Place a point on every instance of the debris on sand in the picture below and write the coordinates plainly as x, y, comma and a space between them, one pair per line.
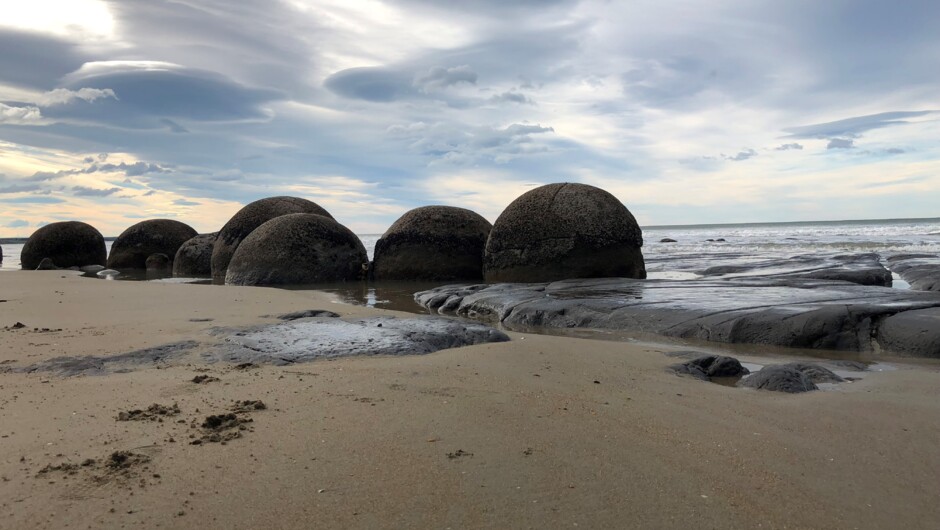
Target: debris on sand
155, 412
200, 379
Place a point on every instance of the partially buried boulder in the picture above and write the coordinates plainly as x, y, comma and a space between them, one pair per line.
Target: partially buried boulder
792, 378
156, 236
299, 248
433, 243
158, 262
562, 231
66, 243
194, 257
248, 219
708, 366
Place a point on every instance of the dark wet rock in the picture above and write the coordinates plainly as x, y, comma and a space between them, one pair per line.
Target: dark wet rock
247, 220
904, 257
47, 265
779, 378
158, 262
667, 240
323, 338
921, 271
863, 269
299, 248
709, 366
92, 269
911, 333
66, 243
564, 231
308, 313
854, 366
434, 243
816, 373
156, 236
95, 365
194, 257
792, 312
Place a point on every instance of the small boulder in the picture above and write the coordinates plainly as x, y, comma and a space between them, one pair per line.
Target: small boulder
194, 257
667, 240
432, 243
66, 243
156, 236
562, 231
158, 263
246, 220
779, 378
298, 248
92, 269
709, 366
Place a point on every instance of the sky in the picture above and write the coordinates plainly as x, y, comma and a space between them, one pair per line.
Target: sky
721, 111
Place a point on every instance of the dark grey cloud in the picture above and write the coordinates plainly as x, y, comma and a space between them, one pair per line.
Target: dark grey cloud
19, 188
35, 60
18, 223
33, 200
439, 77
855, 126
895, 151
841, 143
131, 170
184, 202
741, 155
512, 97
82, 191
371, 84
789, 147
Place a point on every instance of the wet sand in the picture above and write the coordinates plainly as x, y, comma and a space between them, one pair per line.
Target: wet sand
541, 432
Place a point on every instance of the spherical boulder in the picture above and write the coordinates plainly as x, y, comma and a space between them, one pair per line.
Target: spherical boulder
432, 243
248, 219
561, 231
156, 236
298, 248
194, 257
66, 243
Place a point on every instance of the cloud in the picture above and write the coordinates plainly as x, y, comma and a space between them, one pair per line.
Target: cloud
20, 115
445, 143
841, 143
33, 200
18, 223
741, 156
371, 84
438, 78
854, 127
19, 188
82, 191
34, 60
512, 97
63, 96
789, 147
173, 126
184, 202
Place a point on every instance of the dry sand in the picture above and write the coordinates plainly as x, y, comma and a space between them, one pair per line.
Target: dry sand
540, 432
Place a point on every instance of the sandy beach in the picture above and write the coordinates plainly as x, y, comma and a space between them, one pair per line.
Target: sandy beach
539, 432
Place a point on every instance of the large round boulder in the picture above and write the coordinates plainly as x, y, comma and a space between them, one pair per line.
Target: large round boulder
248, 219
156, 236
435, 243
561, 231
194, 257
298, 248
66, 243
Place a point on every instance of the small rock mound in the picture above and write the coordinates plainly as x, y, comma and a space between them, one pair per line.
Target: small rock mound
156, 236
67, 244
792, 378
247, 220
563, 231
299, 248
433, 243
194, 257
709, 366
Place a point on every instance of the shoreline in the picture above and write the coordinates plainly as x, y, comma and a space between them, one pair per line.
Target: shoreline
543, 430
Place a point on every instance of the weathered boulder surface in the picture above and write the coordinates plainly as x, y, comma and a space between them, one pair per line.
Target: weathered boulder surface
298, 248
194, 257
324, 338
792, 312
67, 243
863, 269
435, 243
47, 265
708, 366
779, 378
155, 236
248, 219
562, 231
158, 262
921, 271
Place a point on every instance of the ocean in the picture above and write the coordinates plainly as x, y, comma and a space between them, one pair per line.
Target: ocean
736, 243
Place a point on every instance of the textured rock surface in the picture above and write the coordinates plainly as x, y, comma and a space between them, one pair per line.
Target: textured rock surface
248, 219
318, 338
194, 257
921, 271
562, 231
47, 265
779, 378
156, 236
158, 262
297, 248
432, 243
793, 312
863, 269
67, 243
708, 366
94, 365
